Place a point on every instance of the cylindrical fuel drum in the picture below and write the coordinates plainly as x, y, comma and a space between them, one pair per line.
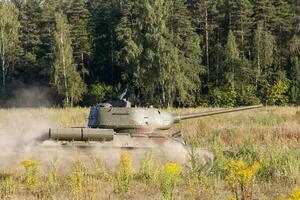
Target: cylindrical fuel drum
98, 134
65, 134
81, 134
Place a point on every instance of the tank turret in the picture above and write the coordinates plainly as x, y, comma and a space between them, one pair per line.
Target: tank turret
144, 120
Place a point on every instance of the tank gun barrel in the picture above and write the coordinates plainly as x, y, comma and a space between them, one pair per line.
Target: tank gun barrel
180, 117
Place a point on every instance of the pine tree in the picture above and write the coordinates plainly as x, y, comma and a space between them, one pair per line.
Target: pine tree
232, 58
294, 71
160, 57
79, 19
263, 51
66, 79
270, 78
283, 30
283, 17
187, 41
157, 40
105, 15
28, 67
204, 15
264, 12
49, 8
9, 33
130, 50
240, 22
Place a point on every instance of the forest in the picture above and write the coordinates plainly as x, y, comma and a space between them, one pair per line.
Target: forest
165, 52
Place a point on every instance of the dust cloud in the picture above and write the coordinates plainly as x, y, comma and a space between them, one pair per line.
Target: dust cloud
20, 124
30, 96
23, 133
19, 131
24, 130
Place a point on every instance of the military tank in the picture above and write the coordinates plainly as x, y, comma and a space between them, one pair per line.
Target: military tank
116, 126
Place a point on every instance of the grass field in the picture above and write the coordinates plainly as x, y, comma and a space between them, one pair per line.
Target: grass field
267, 138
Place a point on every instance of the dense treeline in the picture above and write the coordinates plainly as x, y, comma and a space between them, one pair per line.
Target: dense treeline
166, 52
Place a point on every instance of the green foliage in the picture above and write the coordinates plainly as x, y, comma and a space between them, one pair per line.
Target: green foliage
223, 98
77, 180
47, 23
161, 46
8, 185
248, 96
100, 93
149, 169
9, 37
279, 163
294, 195
247, 152
240, 178
218, 147
29, 54
52, 179
276, 93
79, 19
170, 176
241, 21
101, 172
124, 173
264, 12
233, 57
168, 53
31, 176
66, 79
294, 72
264, 46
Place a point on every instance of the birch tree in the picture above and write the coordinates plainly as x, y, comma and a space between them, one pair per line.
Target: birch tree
9, 27
66, 79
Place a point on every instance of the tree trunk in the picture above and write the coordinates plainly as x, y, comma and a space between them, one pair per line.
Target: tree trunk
3, 60
258, 70
64, 70
82, 65
3, 68
111, 46
207, 42
242, 45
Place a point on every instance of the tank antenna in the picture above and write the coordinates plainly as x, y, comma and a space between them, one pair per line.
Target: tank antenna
123, 94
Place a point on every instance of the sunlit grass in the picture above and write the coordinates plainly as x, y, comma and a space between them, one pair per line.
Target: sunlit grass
269, 136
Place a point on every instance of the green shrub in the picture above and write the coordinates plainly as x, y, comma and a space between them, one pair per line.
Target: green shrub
247, 152
77, 179
101, 172
8, 185
124, 173
100, 92
149, 169
240, 178
276, 93
169, 178
31, 176
52, 179
295, 195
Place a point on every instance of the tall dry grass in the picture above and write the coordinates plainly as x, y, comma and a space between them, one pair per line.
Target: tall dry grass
269, 136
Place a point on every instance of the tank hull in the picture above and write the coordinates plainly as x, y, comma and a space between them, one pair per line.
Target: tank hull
164, 149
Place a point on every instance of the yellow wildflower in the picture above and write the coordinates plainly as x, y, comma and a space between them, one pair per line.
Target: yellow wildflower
26, 163
295, 195
29, 164
172, 169
169, 178
124, 173
240, 176
31, 175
